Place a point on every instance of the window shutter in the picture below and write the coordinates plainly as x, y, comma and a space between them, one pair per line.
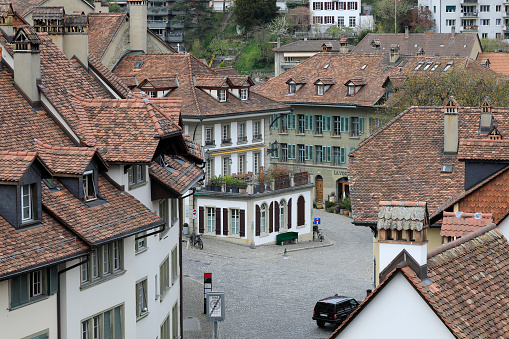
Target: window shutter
321, 6
327, 122
257, 231
53, 279
300, 211
328, 154
321, 18
242, 231
274, 122
361, 125
314, 6
332, 19
342, 155
289, 215
201, 220
348, 5
218, 221
337, 6
306, 123
291, 121
276, 217
15, 285
271, 219
225, 221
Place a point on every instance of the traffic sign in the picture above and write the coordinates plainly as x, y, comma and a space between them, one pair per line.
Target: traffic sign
316, 221
195, 214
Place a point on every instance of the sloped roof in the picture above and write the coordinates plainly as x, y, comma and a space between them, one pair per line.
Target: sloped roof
469, 280
26, 6
370, 70
121, 214
403, 161
108, 76
402, 215
102, 28
128, 130
5, 8
13, 165
483, 149
29, 248
308, 46
499, 62
458, 224
178, 175
48, 13
195, 102
226, 71
433, 44
193, 148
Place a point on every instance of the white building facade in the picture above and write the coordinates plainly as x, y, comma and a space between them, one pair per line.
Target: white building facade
489, 19
334, 13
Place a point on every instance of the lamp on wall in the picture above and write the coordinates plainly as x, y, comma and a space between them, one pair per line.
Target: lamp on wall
273, 147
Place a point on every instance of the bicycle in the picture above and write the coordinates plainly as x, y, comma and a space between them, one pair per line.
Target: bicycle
196, 241
317, 234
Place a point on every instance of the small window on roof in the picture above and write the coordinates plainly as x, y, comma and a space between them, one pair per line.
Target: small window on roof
446, 68
418, 66
447, 168
403, 63
434, 67
428, 64
138, 65
364, 67
326, 66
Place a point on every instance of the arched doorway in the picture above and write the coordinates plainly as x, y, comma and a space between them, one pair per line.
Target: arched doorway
342, 187
319, 189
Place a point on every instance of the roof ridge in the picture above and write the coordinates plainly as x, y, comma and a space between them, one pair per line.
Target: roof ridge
198, 109
64, 148
468, 214
158, 109
19, 153
115, 34
460, 241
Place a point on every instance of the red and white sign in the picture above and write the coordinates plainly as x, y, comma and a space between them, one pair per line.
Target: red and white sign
195, 214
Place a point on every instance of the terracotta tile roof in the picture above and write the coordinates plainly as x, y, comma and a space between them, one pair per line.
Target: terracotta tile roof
102, 28
13, 165
458, 224
499, 62
226, 71
403, 161
120, 215
195, 102
32, 247
178, 175
307, 46
108, 76
5, 8
240, 80
21, 124
60, 76
212, 81
483, 149
67, 160
160, 82
48, 13
369, 70
193, 148
25, 6
433, 44
128, 130
402, 215
469, 279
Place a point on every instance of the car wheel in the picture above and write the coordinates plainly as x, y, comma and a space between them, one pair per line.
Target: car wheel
320, 323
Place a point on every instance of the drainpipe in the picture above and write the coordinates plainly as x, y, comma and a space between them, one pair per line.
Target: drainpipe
59, 320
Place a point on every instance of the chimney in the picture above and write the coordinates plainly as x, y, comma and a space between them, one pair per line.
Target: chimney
453, 31
486, 121
402, 231
138, 25
451, 127
27, 63
101, 7
394, 56
375, 44
6, 23
75, 38
343, 45
407, 32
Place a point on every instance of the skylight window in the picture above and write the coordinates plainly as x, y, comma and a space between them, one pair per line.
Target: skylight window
428, 65
138, 65
418, 66
364, 67
435, 67
446, 68
326, 66
447, 168
403, 63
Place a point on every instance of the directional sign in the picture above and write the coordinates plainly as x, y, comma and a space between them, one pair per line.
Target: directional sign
195, 214
316, 221
215, 306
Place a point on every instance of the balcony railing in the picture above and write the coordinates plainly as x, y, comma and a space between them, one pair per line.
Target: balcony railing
210, 142
289, 64
242, 138
470, 28
257, 136
469, 15
173, 38
249, 184
469, 2
226, 141
157, 24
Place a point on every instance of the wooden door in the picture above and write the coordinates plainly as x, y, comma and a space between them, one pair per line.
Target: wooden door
319, 190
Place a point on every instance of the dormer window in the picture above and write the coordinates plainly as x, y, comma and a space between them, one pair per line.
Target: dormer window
351, 90
291, 88
222, 95
27, 206
319, 89
151, 94
244, 94
136, 175
89, 192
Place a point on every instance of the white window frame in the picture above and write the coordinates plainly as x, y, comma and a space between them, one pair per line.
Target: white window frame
352, 21
234, 221
164, 277
26, 191
341, 21
282, 209
319, 89
141, 298
242, 163
88, 179
211, 219
263, 218
105, 261
222, 95
244, 94
291, 89
256, 162
140, 244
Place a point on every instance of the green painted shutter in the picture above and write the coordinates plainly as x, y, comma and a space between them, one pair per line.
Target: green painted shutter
53, 279
328, 154
326, 123
342, 155
308, 122
291, 121
15, 284
274, 122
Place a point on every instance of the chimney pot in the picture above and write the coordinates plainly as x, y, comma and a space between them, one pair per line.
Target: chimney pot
407, 32
453, 31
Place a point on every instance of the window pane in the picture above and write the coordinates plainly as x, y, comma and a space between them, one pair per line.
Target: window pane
118, 323
107, 325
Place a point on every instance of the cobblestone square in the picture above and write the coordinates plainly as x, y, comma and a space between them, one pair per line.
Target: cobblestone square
270, 297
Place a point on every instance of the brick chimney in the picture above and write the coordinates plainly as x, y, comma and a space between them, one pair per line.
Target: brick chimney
451, 127
27, 63
138, 25
343, 45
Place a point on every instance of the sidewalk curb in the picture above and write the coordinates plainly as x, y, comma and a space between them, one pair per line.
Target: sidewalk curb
306, 248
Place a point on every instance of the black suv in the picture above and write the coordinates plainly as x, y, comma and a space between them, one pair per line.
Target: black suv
333, 310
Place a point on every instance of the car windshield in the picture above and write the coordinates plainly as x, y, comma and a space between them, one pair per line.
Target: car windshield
325, 307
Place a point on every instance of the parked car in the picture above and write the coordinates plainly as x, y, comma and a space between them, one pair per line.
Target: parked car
333, 310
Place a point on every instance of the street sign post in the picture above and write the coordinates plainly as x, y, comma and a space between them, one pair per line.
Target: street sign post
215, 309
207, 287
195, 214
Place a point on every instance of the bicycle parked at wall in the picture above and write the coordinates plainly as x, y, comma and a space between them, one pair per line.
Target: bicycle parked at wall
317, 234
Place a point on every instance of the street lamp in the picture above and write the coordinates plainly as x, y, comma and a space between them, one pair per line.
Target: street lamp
273, 148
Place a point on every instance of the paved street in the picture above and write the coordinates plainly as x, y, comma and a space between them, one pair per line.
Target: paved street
271, 297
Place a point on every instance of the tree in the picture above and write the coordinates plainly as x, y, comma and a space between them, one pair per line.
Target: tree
419, 20
278, 27
468, 87
219, 46
250, 13
494, 45
298, 19
114, 7
384, 10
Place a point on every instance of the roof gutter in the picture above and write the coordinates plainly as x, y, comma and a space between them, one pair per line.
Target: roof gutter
229, 115
132, 232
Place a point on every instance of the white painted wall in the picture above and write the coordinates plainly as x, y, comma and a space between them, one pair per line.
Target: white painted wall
397, 298
389, 251
28, 319
335, 13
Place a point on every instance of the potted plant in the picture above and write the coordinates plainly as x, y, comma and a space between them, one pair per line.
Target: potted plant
348, 205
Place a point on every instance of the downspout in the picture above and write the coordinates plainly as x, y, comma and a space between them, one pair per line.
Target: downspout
181, 225
59, 320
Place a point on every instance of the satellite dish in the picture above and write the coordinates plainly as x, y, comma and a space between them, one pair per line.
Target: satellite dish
477, 216
458, 214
